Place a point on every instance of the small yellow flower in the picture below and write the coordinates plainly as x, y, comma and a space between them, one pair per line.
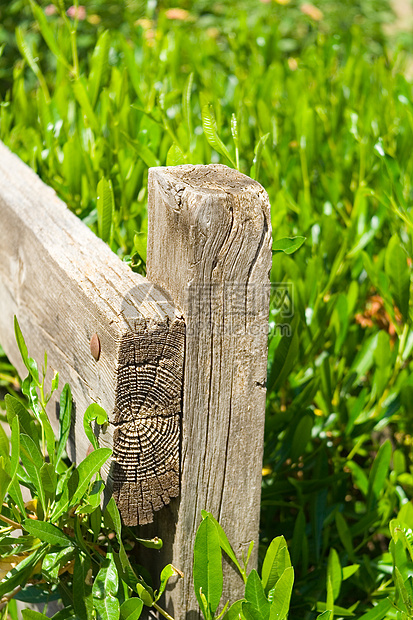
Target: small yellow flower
292, 64
94, 19
213, 33
144, 23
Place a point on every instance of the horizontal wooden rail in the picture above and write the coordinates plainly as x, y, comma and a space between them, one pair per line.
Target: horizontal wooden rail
200, 321
66, 287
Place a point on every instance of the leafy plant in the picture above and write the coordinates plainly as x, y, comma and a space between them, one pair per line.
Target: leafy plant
266, 597
69, 547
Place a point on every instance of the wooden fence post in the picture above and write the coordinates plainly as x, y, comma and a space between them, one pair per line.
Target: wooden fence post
209, 248
119, 339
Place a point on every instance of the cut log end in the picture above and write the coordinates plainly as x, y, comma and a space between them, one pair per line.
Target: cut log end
147, 419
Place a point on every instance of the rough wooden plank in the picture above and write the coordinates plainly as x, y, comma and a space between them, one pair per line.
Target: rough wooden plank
64, 285
209, 248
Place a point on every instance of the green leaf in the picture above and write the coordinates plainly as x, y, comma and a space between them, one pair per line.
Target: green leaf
223, 540
54, 560
31, 614
284, 357
145, 594
131, 609
399, 275
15, 408
73, 165
105, 589
208, 565
105, 209
299, 537
15, 447
175, 156
378, 473
5, 480
92, 499
30, 390
65, 420
256, 164
128, 576
276, 560
281, 595
235, 137
94, 412
150, 543
254, 593
28, 362
348, 571
47, 32
359, 476
344, 534
80, 92
55, 382
98, 64
186, 105
211, 133
167, 572
47, 532
330, 594
4, 443
379, 612
302, 436
401, 587
80, 479
143, 151
234, 611
30, 450
288, 245
337, 611
204, 605
82, 599
249, 612
28, 56
112, 518
32, 462
140, 242
334, 572
15, 493
49, 479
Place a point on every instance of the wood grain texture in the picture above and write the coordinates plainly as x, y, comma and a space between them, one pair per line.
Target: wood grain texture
64, 284
147, 420
209, 248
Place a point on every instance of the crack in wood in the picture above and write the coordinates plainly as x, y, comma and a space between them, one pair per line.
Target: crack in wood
147, 419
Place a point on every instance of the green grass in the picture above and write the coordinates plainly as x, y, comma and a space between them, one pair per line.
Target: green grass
324, 109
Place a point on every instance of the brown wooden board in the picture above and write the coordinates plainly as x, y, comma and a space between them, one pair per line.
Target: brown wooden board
65, 285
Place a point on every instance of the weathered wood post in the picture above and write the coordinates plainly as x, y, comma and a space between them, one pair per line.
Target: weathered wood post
186, 410
209, 248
